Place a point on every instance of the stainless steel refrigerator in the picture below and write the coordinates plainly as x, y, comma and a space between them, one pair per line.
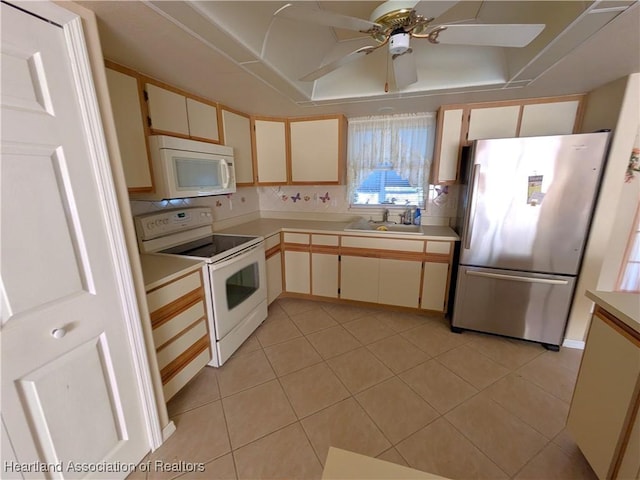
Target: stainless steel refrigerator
526, 212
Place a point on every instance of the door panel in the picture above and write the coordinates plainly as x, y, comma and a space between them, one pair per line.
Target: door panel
517, 304
52, 393
67, 363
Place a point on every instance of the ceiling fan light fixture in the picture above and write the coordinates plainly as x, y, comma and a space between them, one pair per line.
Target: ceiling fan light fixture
399, 42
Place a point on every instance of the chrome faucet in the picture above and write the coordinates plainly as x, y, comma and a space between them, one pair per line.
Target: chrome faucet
385, 215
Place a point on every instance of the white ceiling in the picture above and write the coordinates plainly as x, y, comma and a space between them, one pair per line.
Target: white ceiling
239, 54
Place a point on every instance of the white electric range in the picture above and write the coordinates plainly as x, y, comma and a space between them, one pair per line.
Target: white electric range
234, 271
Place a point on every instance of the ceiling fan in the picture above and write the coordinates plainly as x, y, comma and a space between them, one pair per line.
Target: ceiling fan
396, 22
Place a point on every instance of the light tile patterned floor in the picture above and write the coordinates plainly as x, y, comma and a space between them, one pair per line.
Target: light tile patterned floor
396, 386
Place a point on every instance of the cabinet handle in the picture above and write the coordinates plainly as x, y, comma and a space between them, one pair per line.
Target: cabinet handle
58, 333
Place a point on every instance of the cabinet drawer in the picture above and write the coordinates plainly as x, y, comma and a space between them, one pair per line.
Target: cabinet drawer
302, 238
181, 344
330, 240
383, 244
172, 291
169, 329
443, 248
179, 380
272, 241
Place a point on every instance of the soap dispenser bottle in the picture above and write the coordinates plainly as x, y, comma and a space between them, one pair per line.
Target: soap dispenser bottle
416, 218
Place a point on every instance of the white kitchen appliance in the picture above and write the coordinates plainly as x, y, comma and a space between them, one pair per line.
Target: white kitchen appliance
234, 271
187, 168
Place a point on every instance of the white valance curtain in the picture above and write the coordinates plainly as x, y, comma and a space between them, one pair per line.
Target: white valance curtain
402, 142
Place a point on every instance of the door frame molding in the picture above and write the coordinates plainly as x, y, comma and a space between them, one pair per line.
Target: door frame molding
76, 45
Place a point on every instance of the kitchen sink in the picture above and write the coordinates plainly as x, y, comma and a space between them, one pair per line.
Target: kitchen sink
383, 227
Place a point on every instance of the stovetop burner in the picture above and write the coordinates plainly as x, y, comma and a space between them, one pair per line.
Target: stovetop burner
210, 246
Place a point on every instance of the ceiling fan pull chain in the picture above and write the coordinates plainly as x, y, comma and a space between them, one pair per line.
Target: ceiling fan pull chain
386, 82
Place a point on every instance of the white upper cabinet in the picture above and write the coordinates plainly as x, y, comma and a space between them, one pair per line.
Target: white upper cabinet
317, 150
236, 131
448, 145
493, 122
460, 125
167, 111
270, 150
173, 113
557, 118
127, 113
203, 120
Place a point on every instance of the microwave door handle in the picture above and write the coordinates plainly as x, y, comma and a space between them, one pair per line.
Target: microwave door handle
225, 174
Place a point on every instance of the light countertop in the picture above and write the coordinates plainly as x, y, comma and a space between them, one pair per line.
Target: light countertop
266, 227
624, 306
160, 269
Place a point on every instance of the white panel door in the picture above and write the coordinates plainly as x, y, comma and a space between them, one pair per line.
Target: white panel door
359, 278
237, 134
399, 282
69, 392
297, 272
493, 122
203, 120
271, 151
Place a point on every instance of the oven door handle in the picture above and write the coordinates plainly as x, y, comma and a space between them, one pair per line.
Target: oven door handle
237, 256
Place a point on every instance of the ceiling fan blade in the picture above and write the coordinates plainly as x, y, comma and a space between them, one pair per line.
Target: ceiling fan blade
404, 69
331, 66
324, 17
498, 35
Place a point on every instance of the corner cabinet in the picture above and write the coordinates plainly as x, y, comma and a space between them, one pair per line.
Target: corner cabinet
318, 150
459, 125
236, 133
604, 418
125, 93
273, 257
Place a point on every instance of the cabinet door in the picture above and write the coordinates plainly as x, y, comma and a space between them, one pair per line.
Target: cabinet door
203, 120
274, 277
316, 151
324, 274
493, 122
434, 286
604, 393
359, 278
553, 118
297, 272
168, 111
127, 114
447, 155
236, 130
270, 150
399, 282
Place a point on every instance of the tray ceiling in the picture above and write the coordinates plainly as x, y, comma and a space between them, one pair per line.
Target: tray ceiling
261, 55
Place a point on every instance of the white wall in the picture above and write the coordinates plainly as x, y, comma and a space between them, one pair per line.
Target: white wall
615, 106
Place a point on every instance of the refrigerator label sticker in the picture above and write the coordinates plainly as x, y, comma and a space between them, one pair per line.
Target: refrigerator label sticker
534, 192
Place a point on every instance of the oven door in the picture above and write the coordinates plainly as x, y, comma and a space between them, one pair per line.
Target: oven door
238, 286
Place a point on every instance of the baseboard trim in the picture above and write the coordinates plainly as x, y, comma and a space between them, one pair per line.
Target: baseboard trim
168, 430
573, 344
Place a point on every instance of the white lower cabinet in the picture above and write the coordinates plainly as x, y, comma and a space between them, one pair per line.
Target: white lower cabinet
399, 282
604, 410
359, 278
434, 286
297, 272
274, 277
180, 330
324, 274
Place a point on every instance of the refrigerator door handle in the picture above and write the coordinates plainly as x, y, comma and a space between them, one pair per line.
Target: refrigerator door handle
516, 278
471, 211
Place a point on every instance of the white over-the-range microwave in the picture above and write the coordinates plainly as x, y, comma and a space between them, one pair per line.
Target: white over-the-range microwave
185, 168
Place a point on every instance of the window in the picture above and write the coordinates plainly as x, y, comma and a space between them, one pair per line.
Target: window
389, 159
